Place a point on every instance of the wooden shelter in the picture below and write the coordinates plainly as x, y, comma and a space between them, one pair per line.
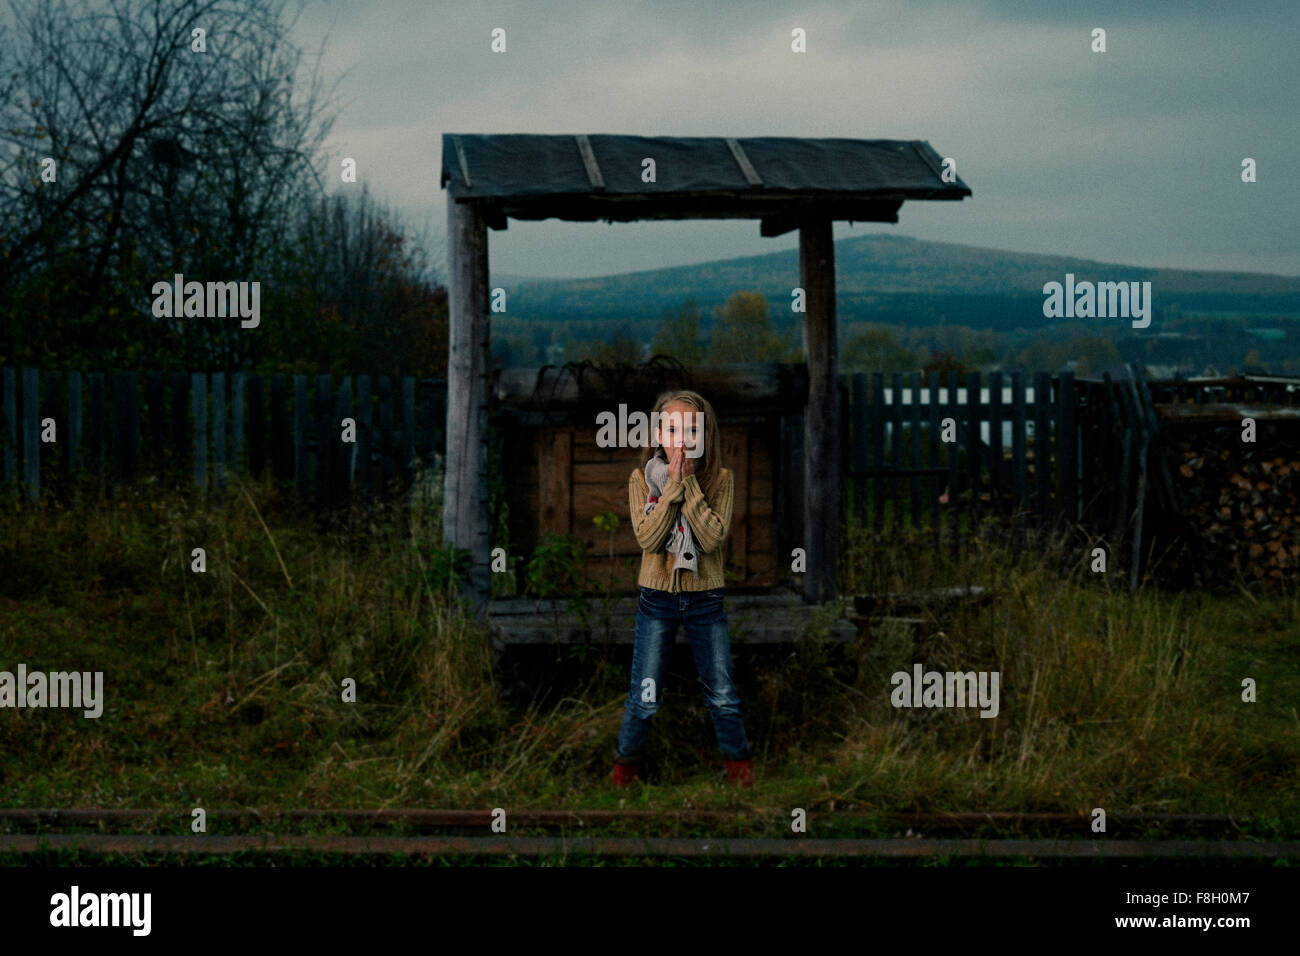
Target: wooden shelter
563, 475
786, 183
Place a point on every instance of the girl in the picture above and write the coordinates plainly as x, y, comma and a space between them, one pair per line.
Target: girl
681, 511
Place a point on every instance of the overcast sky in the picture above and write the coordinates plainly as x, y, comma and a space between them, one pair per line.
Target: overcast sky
1130, 156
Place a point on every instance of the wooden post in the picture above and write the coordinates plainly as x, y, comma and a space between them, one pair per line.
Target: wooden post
861, 443
465, 495
821, 504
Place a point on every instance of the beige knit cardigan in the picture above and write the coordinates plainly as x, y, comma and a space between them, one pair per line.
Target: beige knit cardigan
710, 520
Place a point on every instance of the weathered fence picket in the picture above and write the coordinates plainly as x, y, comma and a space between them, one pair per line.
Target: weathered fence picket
237, 386
408, 430
1067, 451
31, 414
365, 441
282, 444
73, 430
387, 471
9, 422
325, 432
876, 409
300, 417
217, 419
199, 416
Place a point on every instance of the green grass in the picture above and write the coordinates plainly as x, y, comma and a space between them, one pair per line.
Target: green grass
224, 688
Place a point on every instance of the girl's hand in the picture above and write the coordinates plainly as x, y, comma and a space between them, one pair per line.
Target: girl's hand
688, 464
675, 456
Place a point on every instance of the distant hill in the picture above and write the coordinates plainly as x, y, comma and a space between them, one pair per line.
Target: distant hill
896, 279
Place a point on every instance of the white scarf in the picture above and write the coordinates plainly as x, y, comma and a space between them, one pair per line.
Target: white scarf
681, 543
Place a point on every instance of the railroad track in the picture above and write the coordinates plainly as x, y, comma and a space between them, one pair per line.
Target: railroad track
474, 819
654, 847
1071, 839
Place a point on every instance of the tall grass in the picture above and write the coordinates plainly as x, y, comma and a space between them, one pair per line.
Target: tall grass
225, 688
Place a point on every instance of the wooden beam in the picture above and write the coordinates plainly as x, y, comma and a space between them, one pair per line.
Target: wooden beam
465, 495
589, 160
464, 164
770, 618
770, 227
821, 506
742, 160
810, 207
753, 385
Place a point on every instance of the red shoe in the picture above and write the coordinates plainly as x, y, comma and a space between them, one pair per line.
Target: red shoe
740, 773
625, 773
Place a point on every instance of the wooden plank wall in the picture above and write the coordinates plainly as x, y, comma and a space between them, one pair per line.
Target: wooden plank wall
565, 480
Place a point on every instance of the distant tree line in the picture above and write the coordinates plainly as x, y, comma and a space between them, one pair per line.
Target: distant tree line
743, 330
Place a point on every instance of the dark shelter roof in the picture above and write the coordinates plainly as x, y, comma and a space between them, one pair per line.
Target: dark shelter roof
777, 178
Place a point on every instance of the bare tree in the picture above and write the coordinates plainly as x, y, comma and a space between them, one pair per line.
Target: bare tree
186, 136
373, 282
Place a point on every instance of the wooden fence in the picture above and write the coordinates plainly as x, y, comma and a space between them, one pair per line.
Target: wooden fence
948, 449
940, 451
59, 428
1026, 450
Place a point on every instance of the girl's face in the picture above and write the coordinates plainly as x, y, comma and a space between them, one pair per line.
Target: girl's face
681, 424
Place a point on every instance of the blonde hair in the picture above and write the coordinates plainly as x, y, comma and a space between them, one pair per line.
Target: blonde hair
709, 466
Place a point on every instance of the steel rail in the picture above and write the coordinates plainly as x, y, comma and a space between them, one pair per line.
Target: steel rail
54, 817
657, 847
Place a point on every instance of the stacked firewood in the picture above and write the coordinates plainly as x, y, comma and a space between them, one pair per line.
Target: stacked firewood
1240, 508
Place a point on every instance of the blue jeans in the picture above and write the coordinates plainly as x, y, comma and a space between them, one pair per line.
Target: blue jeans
702, 614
